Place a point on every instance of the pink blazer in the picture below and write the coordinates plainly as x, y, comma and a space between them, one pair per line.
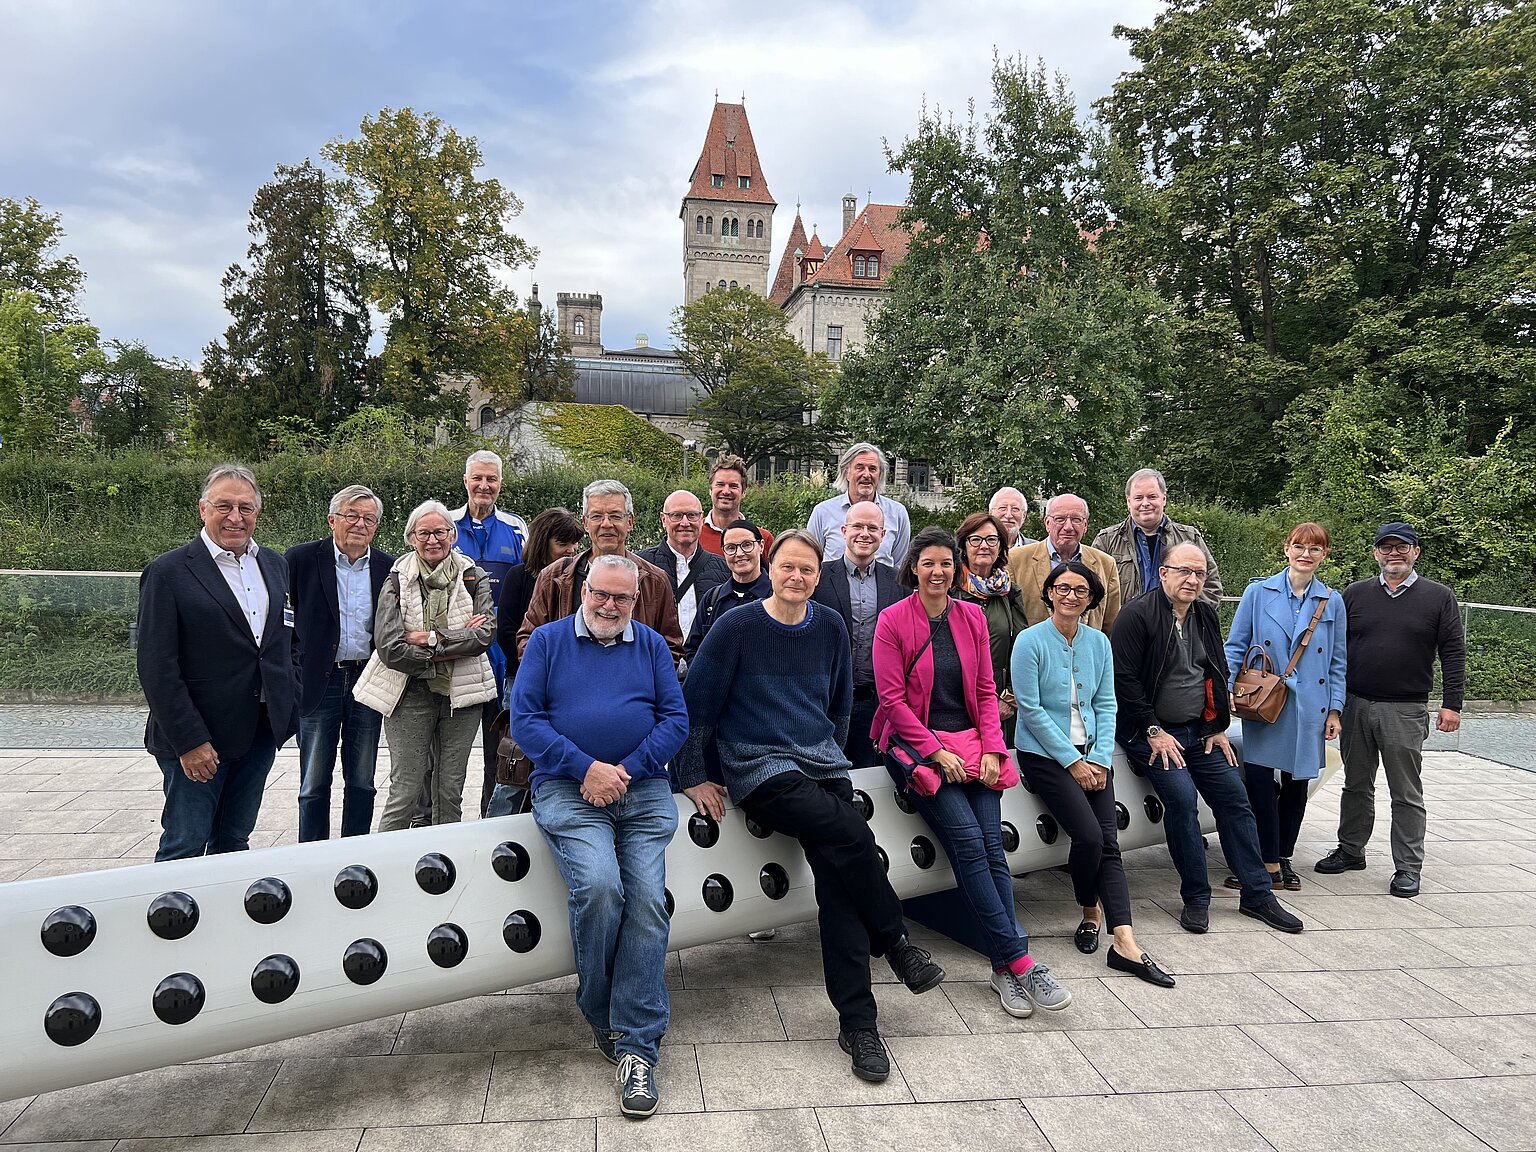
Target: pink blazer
903, 708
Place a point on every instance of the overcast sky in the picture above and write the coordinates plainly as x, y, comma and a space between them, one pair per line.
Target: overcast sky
149, 125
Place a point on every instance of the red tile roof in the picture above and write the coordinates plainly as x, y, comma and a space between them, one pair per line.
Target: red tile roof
875, 230
815, 251
784, 279
729, 152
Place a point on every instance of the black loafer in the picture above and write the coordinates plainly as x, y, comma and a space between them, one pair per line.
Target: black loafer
1339, 861
1271, 913
1404, 884
1145, 969
1086, 937
1196, 918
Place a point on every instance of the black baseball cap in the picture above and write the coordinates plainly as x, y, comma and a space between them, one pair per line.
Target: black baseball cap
1397, 530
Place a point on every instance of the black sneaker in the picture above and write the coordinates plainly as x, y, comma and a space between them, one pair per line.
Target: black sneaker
636, 1082
1339, 861
913, 966
870, 1060
1271, 913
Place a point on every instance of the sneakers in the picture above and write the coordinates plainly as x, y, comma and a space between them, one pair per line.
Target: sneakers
870, 1059
1271, 913
1339, 861
1044, 990
1009, 987
605, 1042
1404, 884
913, 966
636, 1081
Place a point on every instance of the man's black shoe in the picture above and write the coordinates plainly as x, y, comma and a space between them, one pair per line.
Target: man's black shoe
1404, 884
1339, 861
1196, 918
870, 1061
913, 967
1275, 916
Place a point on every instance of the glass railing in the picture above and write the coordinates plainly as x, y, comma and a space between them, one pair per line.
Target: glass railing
68, 636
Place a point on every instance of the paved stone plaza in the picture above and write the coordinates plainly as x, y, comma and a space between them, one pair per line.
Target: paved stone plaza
1388, 1024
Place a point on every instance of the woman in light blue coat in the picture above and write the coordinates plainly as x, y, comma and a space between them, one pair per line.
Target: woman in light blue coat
1280, 760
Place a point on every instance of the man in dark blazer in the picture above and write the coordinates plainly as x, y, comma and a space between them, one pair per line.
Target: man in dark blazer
860, 587
218, 666
690, 570
335, 584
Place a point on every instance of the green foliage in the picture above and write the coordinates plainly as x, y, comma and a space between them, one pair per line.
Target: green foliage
28, 240
42, 365
597, 434
68, 637
135, 399
1501, 657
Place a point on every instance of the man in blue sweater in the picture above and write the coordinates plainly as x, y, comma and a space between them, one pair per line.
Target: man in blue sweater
597, 708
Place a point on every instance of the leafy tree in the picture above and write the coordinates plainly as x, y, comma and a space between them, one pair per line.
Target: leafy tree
1011, 350
535, 362
42, 364
761, 388
297, 345
133, 398
432, 239
28, 239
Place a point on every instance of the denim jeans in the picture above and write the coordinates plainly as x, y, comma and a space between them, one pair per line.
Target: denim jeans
506, 800
613, 861
337, 717
967, 819
1206, 775
217, 815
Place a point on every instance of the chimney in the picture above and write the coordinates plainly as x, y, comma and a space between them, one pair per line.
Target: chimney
850, 212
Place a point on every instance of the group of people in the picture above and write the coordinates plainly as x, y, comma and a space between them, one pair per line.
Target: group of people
732, 665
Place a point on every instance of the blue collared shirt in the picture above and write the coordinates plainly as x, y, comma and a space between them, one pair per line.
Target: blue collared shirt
354, 603
1147, 550
625, 637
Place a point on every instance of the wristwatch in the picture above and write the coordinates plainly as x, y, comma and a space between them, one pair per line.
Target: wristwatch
1153, 731
432, 638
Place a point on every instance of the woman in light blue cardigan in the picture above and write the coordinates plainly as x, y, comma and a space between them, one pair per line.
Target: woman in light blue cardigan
1064, 680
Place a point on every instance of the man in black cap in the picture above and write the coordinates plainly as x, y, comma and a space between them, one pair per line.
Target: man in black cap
1398, 621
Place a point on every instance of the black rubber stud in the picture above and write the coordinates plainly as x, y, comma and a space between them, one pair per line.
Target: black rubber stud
268, 900
72, 1019
172, 915
179, 997
774, 881
1028, 787
275, 978
885, 861
364, 961
703, 830
904, 803
447, 945
68, 931
666, 899
1047, 830
510, 861
863, 805
435, 874
1122, 816
757, 829
521, 931
717, 893
923, 854
356, 886
1010, 837
1154, 808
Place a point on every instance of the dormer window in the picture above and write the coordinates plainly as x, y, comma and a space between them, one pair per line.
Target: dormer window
717, 181
743, 182
858, 267
866, 267
873, 267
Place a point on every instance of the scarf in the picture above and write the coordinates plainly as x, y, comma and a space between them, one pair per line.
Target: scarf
985, 587
437, 584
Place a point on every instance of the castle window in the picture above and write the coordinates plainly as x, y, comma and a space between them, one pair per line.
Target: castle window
698, 224
735, 227
580, 327
858, 267
834, 342
759, 229
709, 225
743, 181
733, 283
717, 181
722, 285
487, 414
873, 267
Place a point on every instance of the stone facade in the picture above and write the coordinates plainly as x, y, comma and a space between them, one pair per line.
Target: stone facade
579, 318
727, 212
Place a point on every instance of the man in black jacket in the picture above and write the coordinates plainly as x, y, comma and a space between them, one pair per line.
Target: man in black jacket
1172, 717
689, 569
335, 584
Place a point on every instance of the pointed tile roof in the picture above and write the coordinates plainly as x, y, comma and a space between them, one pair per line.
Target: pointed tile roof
729, 153
876, 229
816, 251
784, 279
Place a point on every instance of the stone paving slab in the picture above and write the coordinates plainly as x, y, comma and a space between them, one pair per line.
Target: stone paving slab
1386, 1024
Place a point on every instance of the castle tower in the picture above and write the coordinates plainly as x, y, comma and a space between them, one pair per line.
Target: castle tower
727, 213
579, 317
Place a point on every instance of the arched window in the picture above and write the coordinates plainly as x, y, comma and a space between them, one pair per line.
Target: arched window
580, 326
759, 229
698, 223
873, 267
735, 227
722, 285
858, 266
733, 283
487, 414
709, 225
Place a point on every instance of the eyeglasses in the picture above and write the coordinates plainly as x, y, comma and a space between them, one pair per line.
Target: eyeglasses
1394, 549
1308, 549
984, 541
1067, 519
606, 517
433, 533
1184, 573
743, 546
359, 518
224, 508
683, 515
1080, 591
619, 599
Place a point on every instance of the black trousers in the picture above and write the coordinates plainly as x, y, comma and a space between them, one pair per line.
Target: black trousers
860, 749
1088, 818
859, 913
1278, 808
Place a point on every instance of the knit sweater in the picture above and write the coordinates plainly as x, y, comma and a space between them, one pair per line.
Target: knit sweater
775, 698
1393, 641
576, 701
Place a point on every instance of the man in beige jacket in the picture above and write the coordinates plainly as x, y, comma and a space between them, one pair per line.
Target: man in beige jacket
1066, 520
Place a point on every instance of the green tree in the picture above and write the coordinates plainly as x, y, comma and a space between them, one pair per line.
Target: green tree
761, 389
42, 365
134, 398
29, 238
297, 344
1011, 350
536, 365
432, 238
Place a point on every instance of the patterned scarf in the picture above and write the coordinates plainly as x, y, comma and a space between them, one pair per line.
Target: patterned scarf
985, 587
437, 584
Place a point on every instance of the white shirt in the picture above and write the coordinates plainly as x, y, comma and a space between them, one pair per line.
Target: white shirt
688, 604
243, 575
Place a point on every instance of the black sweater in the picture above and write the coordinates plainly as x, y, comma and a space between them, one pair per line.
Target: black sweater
1393, 641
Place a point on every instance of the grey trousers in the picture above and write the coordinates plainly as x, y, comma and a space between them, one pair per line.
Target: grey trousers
425, 731
1393, 735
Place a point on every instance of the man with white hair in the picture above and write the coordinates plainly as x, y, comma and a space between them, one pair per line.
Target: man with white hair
1066, 519
861, 476
1010, 508
597, 707
1140, 542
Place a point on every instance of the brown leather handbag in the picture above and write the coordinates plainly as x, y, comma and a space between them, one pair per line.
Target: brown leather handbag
512, 764
1257, 693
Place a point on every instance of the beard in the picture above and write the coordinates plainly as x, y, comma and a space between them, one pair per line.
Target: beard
604, 629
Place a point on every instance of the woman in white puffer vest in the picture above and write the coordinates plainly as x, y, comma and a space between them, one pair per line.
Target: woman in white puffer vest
429, 674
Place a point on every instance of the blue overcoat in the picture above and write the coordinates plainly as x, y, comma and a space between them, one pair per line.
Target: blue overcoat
1293, 743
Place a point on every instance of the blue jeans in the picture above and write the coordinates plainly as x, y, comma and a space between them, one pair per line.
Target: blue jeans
967, 819
1206, 775
356, 726
613, 860
506, 800
217, 815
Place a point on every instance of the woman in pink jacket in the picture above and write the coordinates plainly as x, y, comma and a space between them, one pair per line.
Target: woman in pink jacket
938, 724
